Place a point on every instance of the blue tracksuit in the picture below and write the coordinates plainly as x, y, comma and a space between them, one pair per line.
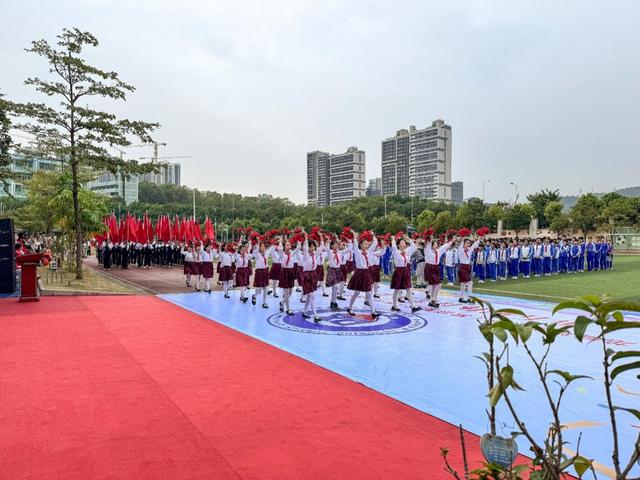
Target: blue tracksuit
513, 254
591, 256
574, 258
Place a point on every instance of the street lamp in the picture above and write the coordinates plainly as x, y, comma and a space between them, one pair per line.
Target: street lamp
483, 184
516, 197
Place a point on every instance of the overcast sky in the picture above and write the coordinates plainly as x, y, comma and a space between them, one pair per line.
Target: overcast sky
541, 93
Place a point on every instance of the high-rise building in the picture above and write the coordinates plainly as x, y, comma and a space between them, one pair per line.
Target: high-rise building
23, 168
335, 178
116, 186
375, 187
457, 193
418, 162
168, 173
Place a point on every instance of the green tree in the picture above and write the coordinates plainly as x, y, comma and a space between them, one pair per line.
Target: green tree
72, 131
494, 214
472, 214
5, 144
425, 220
607, 198
540, 200
444, 221
586, 214
552, 211
560, 223
621, 211
519, 216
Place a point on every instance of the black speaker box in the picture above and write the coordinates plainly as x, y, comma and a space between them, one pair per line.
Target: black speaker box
7, 256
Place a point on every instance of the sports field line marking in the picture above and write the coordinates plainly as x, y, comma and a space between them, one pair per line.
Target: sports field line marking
518, 294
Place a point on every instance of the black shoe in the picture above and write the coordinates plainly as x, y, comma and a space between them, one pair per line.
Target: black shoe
341, 298
395, 309
188, 284
375, 314
334, 306
253, 299
269, 292
316, 319
415, 309
226, 295
197, 289
350, 312
208, 291
289, 312
306, 315
264, 305
275, 295
325, 294
401, 300
434, 304
244, 299
366, 302
428, 295
376, 296
461, 300
281, 307
298, 289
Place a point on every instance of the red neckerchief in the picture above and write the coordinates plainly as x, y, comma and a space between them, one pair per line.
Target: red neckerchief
287, 260
264, 257
313, 257
335, 256
404, 255
466, 251
437, 256
366, 259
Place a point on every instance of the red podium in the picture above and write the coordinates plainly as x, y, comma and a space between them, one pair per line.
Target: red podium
29, 278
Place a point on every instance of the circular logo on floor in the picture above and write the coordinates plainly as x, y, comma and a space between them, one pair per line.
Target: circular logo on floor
341, 323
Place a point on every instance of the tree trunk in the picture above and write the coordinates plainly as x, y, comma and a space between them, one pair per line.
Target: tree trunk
77, 226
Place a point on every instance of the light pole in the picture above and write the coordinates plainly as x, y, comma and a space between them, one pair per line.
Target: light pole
385, 206
515, 200
411, 211
483, 184
194, 204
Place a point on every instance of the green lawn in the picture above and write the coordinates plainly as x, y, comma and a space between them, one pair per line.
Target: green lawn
622, 281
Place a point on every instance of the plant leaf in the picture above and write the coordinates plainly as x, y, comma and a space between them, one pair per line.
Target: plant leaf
625, 354
572, 304
580, 326
581, 464
623, 368
632, 411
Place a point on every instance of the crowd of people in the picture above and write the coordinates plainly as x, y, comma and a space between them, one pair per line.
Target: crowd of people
311, 264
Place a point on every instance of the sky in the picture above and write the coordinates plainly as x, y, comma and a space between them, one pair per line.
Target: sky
545, 94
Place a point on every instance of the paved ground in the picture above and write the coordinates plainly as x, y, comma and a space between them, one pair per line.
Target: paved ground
153, 280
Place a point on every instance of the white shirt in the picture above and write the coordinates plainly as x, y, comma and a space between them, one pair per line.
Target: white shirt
432, 257
402, 259
464, 253
308, 260
286, 259
362, 257
335, 258
242, 260
260, 258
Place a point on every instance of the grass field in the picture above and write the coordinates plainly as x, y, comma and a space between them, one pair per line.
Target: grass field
93, 281
623, 281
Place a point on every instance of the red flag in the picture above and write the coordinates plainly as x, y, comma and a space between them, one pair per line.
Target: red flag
209, 232
197, 231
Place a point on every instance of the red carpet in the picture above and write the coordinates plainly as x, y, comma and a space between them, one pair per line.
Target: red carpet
134, 387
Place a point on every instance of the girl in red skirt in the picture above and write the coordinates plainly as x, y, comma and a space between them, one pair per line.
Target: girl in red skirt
432, 256
207, 267
187, 260
321, 253
401, 252
224, 263
464, 269
374, 266
335, 278
261, 276
309, 279
287, 275
274, 273
243, 271
344, 267
361, 280
196, 265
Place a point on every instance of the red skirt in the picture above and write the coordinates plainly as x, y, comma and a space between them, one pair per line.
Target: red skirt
320, 273
287, 278
334, 276
432, 274
186, 267
345, 271
464, 272
233, 267
401, 278
274, 273
219, 267
309, 282
261, 278
196, 268
207, 269
225, 274
298, 269
351, 266
360, 280
242, 276
374, 273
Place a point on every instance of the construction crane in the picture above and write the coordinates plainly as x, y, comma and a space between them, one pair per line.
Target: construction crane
155, 159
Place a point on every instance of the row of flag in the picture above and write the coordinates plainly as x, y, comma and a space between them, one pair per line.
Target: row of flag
133, 229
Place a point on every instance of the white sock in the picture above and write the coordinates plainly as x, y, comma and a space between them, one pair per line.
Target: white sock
396, 293
410, 298
369, 297
354, 296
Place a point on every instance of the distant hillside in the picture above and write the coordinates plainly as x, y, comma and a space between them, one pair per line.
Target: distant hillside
570, 200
